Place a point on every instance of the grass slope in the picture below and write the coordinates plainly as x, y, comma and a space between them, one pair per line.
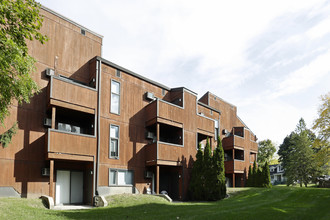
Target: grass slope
255, 203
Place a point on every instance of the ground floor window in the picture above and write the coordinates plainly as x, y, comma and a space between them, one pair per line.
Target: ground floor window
120, 177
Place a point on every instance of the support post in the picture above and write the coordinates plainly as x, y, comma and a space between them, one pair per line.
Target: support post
53, 116
158, 132
51, 178
233, 180
157, 179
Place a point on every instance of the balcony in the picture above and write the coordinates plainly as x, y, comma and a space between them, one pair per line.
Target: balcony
160, 153
235, 166
71, 146
160, 109
71, 94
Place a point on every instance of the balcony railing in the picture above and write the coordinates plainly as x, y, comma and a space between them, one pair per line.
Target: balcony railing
232, 166
237, 141
72, 93
61, 142
165, 110
164, 151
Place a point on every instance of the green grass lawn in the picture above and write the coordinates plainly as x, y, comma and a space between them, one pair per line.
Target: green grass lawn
245, 203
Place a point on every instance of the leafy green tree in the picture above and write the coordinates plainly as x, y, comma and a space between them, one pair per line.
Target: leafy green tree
266, 150
321, 145
20, 22
296, 155
196, 184
219, 179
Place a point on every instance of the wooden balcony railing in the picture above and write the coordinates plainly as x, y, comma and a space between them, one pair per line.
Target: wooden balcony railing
72, 93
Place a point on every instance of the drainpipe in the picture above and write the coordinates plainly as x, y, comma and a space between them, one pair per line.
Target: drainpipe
98, 69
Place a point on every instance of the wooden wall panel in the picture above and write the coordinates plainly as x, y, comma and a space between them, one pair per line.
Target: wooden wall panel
70, 143
73, 93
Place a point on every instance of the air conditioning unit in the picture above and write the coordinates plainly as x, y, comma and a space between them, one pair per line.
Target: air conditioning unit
47, 122
150, 135
50, 72
148, 174
45, 172
150, 96
75, 129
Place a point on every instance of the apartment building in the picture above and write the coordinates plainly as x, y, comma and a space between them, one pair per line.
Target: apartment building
97, 128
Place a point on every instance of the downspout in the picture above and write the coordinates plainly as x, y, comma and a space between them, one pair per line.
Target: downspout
98, 69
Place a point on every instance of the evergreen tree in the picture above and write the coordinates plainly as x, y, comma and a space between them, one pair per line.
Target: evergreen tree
196, 184
296, 155
266, 176
219, 179
254, 175
208, 171
259, 177
248, 181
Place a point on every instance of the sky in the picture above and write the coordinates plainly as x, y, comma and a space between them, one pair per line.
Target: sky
271, 58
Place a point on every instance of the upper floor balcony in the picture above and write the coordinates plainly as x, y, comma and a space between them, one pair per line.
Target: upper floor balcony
71, 146
163, 110
241, 139
161, 153
72, 94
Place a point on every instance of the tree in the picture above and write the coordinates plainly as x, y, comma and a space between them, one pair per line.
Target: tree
321, 145
254, 180
296, 155
249, 179
196, 184
20, 21
266, 176
208, 170
219, 179
266, 150
322, 123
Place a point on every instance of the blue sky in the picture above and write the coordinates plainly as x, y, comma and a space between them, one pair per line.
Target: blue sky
269, 58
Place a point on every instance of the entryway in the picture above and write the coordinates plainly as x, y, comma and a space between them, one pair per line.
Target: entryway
69, 187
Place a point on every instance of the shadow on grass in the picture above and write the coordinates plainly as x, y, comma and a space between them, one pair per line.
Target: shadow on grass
276, 203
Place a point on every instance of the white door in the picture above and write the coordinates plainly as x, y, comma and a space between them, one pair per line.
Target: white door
62, 194
77, 187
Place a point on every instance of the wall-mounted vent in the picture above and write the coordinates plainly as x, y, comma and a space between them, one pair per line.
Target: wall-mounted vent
47, 122
150, 96
45, 172
50, 72
118, 73
148, 174
83, 32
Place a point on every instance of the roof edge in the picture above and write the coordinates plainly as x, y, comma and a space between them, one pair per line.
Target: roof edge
132, 73
70, 21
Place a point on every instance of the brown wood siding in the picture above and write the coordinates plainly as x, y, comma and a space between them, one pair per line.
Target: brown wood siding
73, 93
64, 142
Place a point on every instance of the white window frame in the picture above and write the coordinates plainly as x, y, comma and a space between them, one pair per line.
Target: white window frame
114, 138
117, 94
116, 177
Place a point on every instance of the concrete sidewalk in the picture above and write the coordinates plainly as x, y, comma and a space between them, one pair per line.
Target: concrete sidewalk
72, 207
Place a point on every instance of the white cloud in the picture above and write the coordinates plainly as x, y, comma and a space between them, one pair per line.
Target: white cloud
204, 45
304, 77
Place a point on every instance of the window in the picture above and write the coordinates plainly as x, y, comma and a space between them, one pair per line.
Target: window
120, 177
83, 32
114, 141
163, 92
115, 97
